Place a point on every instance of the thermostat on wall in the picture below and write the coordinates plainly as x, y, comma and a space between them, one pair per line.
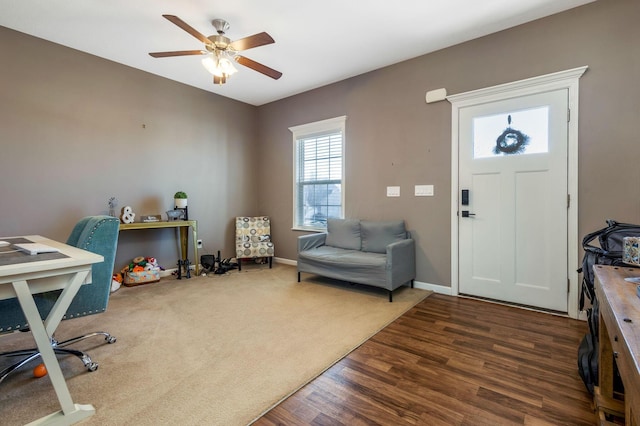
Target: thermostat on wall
436, 95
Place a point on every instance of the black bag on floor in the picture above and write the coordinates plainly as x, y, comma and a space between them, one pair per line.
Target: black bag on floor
609, 252
588, 361
588, 350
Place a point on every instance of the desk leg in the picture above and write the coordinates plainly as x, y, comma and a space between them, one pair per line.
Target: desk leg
196, 260
70, 413
184, 241
603, 393
184, 245
605, 358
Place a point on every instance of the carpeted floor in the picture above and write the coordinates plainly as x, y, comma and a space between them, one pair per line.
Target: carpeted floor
217, 350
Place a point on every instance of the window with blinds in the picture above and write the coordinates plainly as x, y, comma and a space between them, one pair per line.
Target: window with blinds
319, 173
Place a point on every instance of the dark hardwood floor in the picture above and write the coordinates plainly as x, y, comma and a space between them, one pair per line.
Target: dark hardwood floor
452, 361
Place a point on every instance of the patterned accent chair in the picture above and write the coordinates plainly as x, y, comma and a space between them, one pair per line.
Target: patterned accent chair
253, 239
97, 234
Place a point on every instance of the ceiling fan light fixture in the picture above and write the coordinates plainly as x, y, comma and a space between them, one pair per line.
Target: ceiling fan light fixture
226, 65
220, 51
219, 65
210, 63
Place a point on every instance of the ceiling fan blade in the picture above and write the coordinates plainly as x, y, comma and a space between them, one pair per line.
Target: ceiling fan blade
178, 53
252, 41
256, 66
179, 22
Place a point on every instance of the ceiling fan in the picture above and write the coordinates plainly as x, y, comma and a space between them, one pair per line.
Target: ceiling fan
221, 52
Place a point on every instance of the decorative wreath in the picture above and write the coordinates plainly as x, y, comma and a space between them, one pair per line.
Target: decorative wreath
511, 141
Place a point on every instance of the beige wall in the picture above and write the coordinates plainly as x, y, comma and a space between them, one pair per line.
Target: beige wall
76, 130
76, 124
394, 138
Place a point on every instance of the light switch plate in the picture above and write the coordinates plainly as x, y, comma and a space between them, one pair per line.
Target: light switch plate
424, 191
393, 191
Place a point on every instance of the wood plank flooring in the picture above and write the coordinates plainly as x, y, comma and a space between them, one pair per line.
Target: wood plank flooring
452, 361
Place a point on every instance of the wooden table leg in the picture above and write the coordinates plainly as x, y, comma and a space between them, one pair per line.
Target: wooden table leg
194, 231
184, 245
184, 241
603, 395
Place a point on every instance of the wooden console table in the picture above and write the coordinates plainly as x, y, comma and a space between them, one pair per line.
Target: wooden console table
182, 225
619, 326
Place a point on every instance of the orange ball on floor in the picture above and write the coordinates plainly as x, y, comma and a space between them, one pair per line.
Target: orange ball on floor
40, 371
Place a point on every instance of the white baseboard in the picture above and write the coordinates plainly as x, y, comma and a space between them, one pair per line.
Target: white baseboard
440, 289
436, 288
169, 272
417, 284
285, 261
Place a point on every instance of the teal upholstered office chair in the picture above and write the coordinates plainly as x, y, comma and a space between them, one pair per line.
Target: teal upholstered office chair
97, 234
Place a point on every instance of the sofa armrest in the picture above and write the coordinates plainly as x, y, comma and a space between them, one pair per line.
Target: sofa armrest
311, 241
401, 261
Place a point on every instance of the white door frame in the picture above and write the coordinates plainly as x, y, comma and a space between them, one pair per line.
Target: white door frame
568, 79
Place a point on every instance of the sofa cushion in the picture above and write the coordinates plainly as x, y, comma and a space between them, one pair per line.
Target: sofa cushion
343, 258
376, 236
347, 265
343, 233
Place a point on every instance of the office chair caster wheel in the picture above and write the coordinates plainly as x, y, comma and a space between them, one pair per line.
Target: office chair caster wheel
110, 339
90, 365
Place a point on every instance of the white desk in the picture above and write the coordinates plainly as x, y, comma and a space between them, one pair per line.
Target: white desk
22, 280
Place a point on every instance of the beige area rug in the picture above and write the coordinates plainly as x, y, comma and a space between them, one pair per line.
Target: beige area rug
217, 350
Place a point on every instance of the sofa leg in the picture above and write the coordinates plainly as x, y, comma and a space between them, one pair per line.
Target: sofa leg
390, 296
298, 276
411, 283
270, 261
239, 265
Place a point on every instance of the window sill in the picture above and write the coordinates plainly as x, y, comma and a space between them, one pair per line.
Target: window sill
308, 229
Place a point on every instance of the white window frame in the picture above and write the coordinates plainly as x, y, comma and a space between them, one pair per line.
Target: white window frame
309, 130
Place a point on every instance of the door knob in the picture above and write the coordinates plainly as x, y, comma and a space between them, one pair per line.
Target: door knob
465, 213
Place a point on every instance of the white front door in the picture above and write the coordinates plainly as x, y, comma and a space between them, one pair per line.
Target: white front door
512, 158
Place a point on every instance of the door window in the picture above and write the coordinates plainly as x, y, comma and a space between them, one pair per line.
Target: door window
511, 133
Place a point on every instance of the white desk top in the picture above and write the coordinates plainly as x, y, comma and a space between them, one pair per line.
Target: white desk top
75, 259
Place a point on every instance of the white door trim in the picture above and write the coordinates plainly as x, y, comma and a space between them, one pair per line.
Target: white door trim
568, 79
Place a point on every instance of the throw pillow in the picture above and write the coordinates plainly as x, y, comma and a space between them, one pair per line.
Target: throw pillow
376, 236
343, 233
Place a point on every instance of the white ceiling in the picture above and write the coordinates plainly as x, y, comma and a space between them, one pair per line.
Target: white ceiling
318, 42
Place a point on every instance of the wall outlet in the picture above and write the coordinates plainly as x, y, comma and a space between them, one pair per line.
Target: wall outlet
199, 244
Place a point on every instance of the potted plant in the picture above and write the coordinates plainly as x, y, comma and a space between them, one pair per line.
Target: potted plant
180, 199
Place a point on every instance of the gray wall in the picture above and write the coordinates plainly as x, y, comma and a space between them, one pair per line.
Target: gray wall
394, 138
76, 130
74, 126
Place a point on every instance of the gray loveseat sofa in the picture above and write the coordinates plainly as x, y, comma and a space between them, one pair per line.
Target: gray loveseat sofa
379, 254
